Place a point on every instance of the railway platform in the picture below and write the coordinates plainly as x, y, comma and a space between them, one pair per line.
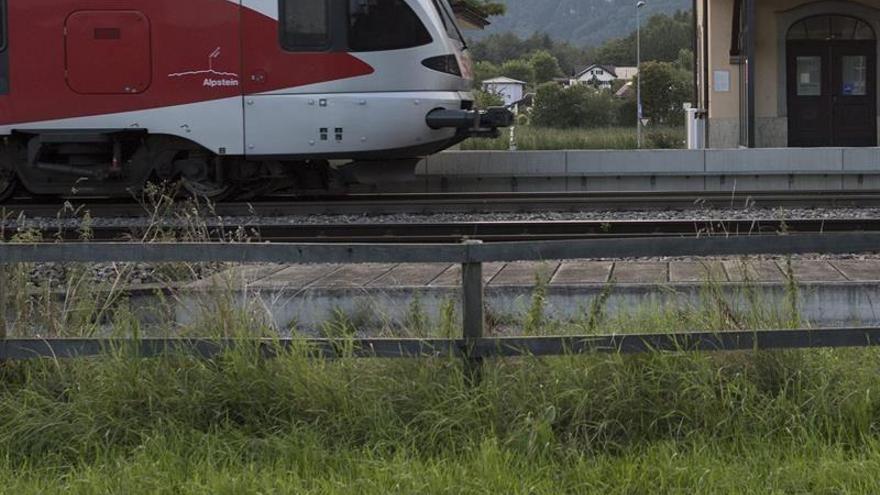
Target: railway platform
830, 291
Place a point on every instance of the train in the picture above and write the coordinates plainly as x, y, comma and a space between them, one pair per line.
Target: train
101, 97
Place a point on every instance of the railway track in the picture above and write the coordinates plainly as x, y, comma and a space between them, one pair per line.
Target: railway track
487, 231
378, 204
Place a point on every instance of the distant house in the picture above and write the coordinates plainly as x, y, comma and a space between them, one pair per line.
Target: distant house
626, 73
597, 75
565, 82
510, 90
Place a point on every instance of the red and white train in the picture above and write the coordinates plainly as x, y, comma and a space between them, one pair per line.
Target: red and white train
98, 97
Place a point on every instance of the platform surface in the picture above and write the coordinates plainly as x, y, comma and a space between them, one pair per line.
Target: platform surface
556, 273
831, 291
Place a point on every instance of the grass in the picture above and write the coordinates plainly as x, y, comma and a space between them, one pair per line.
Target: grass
744, 422
793, 422
542, 138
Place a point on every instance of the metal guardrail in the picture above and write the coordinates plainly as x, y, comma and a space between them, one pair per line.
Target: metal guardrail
471, 255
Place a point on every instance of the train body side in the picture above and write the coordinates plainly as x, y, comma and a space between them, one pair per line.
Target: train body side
215, 73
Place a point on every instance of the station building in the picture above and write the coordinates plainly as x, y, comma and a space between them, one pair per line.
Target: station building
787, 73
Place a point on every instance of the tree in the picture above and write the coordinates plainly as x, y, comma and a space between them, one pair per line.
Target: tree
665, 89
544, 66
486, 7
551, 107
485, 99
518, 69
576, 106
685, 59
501, 47
485, 70
663, 38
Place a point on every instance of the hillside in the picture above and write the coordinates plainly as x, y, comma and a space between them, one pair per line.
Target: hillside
581, 22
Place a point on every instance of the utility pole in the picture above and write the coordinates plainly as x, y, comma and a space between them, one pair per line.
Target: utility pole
639, 6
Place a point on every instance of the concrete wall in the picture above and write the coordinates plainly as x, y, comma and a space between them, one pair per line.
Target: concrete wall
652, 170
774, 17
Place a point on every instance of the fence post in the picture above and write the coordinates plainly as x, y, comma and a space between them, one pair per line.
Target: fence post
472, 308
4, 273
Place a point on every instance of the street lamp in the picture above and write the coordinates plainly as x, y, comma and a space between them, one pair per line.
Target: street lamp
639, 6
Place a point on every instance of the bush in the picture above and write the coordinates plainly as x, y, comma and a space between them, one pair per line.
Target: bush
665, 89
576, 106
626, 112
485, 99
664, 140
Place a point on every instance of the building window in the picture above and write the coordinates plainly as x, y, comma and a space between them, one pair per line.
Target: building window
830, 27
809, 76
305, 24
378, 25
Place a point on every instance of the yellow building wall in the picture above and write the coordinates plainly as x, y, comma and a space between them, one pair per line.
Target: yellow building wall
724, 107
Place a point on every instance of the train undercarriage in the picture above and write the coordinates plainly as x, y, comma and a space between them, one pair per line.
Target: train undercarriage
121, 163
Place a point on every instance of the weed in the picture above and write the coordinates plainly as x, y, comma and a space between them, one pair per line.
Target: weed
535, 319
450, 326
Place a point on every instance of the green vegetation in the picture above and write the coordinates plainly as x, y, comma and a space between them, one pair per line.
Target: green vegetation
748, 422
496, 49
665, 89
543, 138
664, 37
579, 22
575, 106
486, 7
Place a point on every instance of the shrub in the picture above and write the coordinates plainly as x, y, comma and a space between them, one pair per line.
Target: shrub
576, 106
485, 99
664, 140
665, 89
626, 112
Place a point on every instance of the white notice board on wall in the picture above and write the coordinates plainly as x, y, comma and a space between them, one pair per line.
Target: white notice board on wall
721, 81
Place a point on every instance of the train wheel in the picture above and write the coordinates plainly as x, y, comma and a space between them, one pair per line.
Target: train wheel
207, 189
8, 182
201, 176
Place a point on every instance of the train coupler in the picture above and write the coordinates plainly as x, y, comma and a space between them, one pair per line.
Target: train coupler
473, 123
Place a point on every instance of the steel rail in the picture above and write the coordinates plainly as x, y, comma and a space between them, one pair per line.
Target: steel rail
478, 202
489, 231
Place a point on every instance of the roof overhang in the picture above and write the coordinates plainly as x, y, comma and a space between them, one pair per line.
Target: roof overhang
469, 16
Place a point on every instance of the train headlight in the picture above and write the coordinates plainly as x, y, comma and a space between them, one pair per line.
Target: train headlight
448, 64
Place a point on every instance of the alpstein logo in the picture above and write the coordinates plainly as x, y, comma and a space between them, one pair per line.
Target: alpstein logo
212, 78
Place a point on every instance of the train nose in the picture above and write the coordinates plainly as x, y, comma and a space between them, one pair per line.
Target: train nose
474, 123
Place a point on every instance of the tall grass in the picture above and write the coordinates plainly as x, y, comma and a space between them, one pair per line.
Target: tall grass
544, 138
793, 421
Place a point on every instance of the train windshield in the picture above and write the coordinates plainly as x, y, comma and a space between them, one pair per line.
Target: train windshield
448, 18
376, 25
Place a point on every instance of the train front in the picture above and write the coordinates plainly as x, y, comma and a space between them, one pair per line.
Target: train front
413, 95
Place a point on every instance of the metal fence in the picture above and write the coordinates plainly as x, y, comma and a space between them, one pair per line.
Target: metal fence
471, 255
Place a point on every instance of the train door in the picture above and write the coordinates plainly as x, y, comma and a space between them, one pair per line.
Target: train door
292, 47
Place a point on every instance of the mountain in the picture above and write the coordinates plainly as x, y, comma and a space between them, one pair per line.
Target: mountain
580, 22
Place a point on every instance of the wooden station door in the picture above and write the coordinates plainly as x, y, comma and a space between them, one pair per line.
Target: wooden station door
832, 83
